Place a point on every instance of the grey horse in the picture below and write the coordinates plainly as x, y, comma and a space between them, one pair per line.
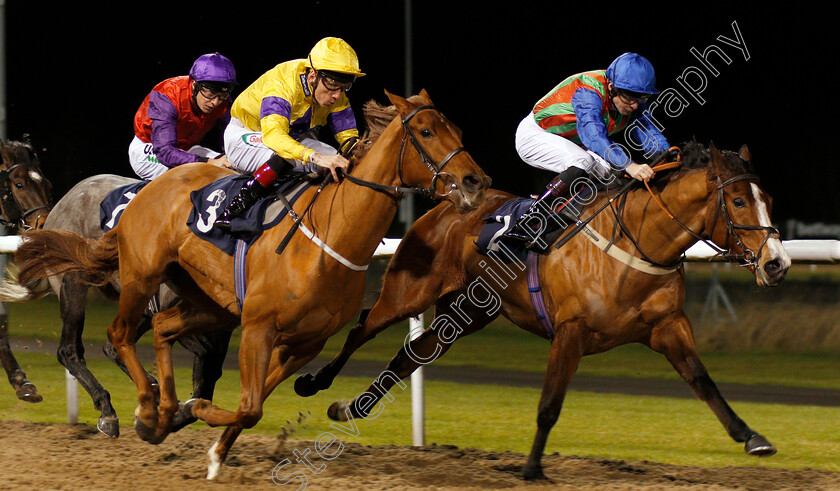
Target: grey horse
79, 211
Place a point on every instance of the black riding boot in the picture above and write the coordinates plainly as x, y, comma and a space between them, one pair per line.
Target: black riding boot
250, 193
537, 221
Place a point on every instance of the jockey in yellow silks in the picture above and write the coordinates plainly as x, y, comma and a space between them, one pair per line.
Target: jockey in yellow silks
274, 121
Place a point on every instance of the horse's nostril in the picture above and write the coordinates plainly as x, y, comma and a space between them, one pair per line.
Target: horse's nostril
773, 267
471, 182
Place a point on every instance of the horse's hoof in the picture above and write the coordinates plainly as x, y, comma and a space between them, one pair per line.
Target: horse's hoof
184, 416
338, 411
533, 473
109, 426
305, 385
147, 433
759, 446
29, 393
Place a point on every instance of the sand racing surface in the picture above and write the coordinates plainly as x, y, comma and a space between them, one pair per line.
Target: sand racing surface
63, 456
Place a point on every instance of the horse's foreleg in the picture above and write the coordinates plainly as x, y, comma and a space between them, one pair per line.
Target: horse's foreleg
254, 355
403, 296
567, 349
24, 389
71, 351
282, 366
210, 350
446, 328
675, 340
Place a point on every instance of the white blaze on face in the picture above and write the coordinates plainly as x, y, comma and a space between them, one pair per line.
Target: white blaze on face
774, 245
35, 176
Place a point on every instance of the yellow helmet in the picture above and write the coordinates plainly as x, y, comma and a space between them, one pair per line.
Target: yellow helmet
334, 55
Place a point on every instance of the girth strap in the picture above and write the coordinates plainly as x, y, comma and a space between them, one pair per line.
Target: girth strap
533, 276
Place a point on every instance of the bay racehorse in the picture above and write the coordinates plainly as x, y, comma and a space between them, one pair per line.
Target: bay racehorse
593, 301
78, 211
295, 299
24, 204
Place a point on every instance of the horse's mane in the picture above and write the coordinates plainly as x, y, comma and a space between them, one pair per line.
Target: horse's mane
377, 118
694, 155
17, 151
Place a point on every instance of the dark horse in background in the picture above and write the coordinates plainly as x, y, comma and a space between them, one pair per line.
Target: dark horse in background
79, 211
25, 204
593, 301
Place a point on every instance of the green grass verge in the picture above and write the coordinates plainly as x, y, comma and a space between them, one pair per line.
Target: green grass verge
520, 350
679, 431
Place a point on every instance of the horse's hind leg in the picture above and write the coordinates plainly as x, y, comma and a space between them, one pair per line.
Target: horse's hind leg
567, 349
122, 333
71, 351
24, 389
142, 328
183, 319
446, 328
676, 341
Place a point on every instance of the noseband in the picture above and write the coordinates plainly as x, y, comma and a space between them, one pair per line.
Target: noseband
13, 213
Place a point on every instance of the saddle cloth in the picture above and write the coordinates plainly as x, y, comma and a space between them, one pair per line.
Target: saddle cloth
111, 208
208, 203
491, 237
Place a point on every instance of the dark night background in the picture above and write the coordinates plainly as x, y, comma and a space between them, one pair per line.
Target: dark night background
76, 74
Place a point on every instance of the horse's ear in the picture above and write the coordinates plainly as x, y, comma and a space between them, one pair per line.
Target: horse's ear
744, 153
425, 95
402, 104
715, 157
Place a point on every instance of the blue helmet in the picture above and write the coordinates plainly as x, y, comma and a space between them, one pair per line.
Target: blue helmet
213, 67
633, 72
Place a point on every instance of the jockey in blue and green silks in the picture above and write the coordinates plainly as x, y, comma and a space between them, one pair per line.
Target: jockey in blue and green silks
568, 131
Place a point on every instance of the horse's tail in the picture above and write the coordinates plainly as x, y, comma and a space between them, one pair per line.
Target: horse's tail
45, 253
13, 292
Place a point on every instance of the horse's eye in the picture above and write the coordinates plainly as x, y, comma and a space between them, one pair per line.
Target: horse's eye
425, 133
739, 202
19, 185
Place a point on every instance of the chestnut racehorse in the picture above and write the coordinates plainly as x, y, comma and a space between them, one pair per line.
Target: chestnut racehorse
295, 300
594, 301
24, 204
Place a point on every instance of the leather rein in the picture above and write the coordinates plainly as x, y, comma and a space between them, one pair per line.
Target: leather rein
747, 258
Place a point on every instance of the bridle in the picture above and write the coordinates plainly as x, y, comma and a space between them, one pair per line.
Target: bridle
748, 258
434, 167
14, 214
